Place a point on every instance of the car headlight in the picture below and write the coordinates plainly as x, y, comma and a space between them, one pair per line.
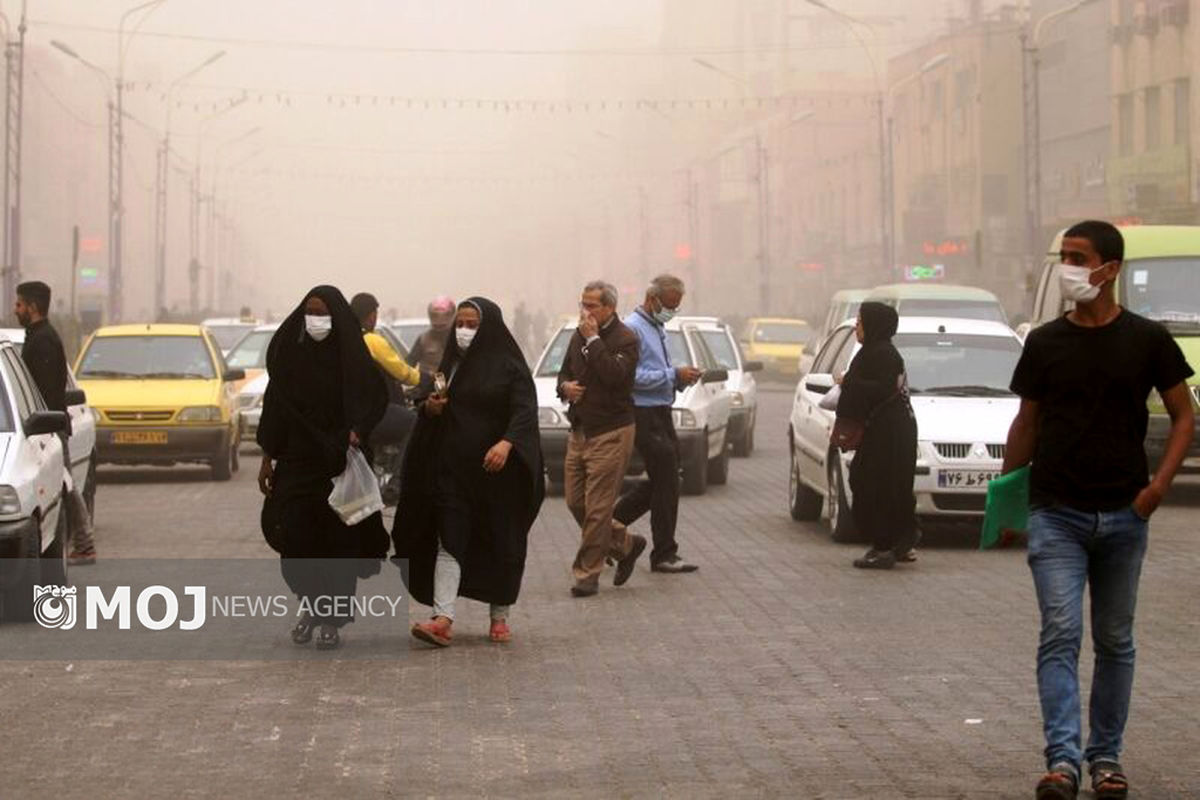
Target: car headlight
10, 501
738, 399
200, 414
550, 418
683, 418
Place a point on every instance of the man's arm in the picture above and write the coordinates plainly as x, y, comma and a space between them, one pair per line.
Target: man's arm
613, 367
1183, 422
1022, 437
386, 357
566, 374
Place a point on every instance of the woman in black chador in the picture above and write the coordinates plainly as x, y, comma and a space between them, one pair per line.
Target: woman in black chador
874, 399
325, 395
472, 483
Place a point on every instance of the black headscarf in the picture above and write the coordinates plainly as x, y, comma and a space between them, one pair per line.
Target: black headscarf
301, 371
875, 373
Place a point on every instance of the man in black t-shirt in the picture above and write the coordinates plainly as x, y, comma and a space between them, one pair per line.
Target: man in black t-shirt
1084, 380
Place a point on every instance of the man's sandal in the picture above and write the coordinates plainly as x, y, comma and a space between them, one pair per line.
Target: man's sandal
1108, 781
1060, 783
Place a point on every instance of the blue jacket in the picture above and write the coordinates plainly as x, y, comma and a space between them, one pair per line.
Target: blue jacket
654, 380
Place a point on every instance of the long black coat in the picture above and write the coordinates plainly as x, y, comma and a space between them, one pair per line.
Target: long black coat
491, 397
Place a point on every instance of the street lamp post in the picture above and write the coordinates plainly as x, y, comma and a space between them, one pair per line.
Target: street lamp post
215, 241
161, 197
1031, 42
14, 55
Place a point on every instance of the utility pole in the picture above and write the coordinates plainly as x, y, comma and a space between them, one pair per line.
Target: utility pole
763, 181
14, 55
693, 227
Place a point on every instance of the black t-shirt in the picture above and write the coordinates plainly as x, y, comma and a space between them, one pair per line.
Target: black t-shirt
1091, 386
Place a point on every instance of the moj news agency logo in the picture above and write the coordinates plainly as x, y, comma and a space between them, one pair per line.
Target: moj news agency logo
55, 607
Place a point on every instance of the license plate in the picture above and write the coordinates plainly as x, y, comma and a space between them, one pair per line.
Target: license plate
139, 437
965, 479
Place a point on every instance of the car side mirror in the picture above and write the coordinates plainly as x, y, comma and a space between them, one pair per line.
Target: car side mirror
753, 366
714, 376
76, 397
234, 375
40, 422
819, 383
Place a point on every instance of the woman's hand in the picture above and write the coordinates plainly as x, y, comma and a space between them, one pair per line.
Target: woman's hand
266, 476
435, 404
354, 441
497, 457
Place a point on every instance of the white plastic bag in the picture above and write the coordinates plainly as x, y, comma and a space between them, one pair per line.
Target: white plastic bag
829, 401
355, 494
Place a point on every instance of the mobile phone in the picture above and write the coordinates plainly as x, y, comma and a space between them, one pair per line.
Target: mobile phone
439, 383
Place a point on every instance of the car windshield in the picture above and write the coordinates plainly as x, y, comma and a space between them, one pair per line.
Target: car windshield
409, 331
552, 361
147, 357
677, 350
250, 352
228, 335
957, 364
959, 309
1163, 289
782, 333
721, 348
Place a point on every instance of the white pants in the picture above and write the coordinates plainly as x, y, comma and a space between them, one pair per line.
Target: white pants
446, 576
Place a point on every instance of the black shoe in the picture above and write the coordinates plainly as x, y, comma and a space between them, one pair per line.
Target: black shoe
303, 632
328, 638
625, 565
674, 565
585, 588
876, 559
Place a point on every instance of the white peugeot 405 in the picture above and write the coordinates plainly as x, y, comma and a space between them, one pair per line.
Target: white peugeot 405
958, 375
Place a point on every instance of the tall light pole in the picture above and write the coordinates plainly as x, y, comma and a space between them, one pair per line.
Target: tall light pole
885, 244
214, 240
14, 56
890, 157
1031, 42
160, 193
195, 266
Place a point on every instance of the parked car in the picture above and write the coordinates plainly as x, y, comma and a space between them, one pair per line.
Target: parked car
33, 520
958, 373
940, 300
842, 306
228, 331
249, 406
742, 386
1160, 280
700, 412
777, 343
165, 396
407, 330
82, 442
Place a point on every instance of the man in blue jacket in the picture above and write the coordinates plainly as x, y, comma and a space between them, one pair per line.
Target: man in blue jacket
655, 383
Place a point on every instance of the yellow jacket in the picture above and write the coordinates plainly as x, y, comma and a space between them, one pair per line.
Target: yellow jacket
386, 357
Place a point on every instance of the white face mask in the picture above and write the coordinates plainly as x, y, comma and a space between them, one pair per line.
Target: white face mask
318, 327
1076, 283
464, 337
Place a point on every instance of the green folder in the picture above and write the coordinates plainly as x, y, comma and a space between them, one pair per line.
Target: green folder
1007, 514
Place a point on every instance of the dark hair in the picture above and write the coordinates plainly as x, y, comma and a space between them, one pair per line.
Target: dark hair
35, 293
362, 304
1104, 236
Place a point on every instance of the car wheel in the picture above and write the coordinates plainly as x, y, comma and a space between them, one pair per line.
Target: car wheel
54, 561
803, 502
222, 466
695, 472
718, 468
840, 523
17, 598
89, 489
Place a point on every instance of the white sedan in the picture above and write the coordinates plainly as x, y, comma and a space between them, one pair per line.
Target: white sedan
958, 375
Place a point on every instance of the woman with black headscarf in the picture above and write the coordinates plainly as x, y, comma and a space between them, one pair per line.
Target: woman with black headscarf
473, 481
324, 396
875, 419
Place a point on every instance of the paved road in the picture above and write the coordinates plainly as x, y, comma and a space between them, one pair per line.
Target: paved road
777, 670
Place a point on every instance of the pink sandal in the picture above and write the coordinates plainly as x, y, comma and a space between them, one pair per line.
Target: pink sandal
500, 632
433, 632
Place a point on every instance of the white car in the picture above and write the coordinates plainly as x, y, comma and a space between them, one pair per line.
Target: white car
700, 412
228, 331
958, 374
742, 385
33, 486
249, 406
82, 442
408, 329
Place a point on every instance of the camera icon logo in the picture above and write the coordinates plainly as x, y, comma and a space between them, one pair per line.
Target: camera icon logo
55, 607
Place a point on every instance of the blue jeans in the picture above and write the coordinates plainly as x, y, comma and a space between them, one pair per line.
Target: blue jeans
1067, 550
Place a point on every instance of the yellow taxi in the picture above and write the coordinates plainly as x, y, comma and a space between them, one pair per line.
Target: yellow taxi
163, 395
777, 342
